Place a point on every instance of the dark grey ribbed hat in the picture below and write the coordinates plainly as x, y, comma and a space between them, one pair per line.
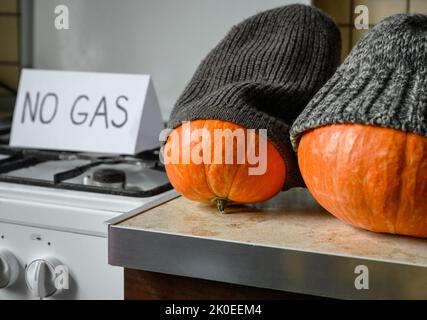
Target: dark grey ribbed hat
263, 73
382, 82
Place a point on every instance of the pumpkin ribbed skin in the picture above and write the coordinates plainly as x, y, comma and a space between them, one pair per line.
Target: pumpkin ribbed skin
371, 177
207, 182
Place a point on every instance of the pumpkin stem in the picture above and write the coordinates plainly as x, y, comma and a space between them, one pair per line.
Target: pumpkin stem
221, 204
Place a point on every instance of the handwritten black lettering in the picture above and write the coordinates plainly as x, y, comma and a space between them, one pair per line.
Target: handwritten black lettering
102, 105
55, 110
27, 103
124, 112
83, 114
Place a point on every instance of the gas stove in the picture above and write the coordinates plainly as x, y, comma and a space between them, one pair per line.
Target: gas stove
54, 208
133, 176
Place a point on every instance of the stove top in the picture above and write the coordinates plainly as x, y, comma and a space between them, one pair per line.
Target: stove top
134, 176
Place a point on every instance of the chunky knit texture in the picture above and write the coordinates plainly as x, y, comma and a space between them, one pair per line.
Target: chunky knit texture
263, 73
382, 82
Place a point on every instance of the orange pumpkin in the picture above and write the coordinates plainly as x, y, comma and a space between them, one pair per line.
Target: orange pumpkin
220, 182
371, 177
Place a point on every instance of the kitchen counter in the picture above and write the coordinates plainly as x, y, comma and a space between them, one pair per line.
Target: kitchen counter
288, 243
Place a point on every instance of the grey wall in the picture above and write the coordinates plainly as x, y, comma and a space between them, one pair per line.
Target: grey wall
164, 38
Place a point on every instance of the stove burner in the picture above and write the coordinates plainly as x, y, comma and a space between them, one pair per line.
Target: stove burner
109, 178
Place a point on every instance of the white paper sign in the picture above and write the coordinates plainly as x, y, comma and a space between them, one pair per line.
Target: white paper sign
84, 111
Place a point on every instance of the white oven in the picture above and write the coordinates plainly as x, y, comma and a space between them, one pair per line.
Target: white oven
53, 243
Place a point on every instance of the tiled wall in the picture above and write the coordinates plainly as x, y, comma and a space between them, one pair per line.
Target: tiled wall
343, 13
340, 10
9, 44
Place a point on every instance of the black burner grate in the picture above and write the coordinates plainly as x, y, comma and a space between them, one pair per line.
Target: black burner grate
19, 159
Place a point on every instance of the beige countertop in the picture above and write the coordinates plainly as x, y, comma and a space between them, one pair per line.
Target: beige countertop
288, 243
291, 220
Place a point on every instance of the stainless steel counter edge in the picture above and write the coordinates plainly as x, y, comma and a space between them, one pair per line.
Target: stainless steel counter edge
285, 269
159, 199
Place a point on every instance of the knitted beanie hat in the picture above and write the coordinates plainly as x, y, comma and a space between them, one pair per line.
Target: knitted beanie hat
382, 82
263, 73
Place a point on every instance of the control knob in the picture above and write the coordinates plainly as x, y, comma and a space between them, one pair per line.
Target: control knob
41, 277
9, 269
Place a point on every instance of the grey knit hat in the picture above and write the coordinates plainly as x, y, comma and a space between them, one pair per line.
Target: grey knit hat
263, 73
382, 82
